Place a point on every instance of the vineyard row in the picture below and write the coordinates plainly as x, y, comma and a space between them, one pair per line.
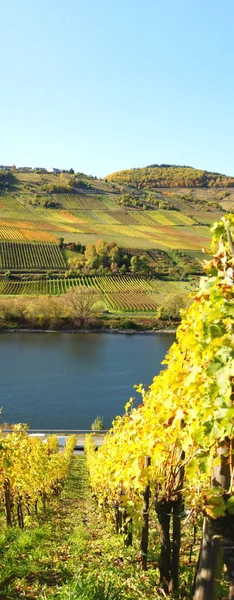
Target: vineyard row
30, 256
130, 297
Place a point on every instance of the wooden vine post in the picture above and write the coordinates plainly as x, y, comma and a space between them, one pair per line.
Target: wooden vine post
117, 517
169, 510
145, 520
217, 545
7, 501
127, 528
163, 509
177, 508
123, 522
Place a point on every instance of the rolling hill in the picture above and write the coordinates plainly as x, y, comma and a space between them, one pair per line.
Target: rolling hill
142, 208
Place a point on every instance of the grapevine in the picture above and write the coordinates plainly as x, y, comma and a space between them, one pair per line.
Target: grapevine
185, 415
31, 472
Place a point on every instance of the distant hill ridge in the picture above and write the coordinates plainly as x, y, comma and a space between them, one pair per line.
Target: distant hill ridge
159, 176
149, 177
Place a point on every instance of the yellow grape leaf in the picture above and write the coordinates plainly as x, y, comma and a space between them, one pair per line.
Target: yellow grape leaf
215, 507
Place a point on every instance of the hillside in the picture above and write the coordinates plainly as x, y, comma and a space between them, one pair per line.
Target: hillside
128, 207
159, 214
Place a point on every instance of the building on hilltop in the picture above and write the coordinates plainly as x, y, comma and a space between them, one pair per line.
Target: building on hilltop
40, 169
24, 169
54, 170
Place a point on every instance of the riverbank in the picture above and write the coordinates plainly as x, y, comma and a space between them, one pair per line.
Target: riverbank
122, 331
79, 314
139, 324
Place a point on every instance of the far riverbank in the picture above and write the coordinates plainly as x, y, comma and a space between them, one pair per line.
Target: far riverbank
120, 324
108, 331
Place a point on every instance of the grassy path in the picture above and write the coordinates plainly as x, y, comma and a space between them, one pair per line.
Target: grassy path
71, 553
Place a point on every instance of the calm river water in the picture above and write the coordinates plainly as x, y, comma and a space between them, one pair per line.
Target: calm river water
56, 380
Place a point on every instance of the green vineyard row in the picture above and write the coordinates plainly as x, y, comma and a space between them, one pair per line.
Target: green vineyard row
121, 293
30, 256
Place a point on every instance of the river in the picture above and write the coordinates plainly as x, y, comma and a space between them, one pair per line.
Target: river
64, 380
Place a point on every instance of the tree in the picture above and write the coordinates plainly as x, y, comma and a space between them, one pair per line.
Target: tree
143, 264
94, 262
115, 255
114, 267
134, 268
101, 247
90, 251
123, 269
172, 305
82, 304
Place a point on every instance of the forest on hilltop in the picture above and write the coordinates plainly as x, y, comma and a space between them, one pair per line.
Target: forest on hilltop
156, 176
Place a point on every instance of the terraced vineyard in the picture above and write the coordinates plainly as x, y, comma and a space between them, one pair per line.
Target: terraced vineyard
16, 255
89, 216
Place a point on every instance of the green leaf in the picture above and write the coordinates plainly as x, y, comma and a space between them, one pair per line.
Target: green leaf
215, 507
230, 505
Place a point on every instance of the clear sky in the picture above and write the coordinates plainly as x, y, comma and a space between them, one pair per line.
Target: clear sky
105, 85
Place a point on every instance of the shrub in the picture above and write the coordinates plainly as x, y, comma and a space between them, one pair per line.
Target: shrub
98, 424
129, 324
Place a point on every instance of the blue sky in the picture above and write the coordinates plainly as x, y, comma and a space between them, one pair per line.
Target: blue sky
103, 85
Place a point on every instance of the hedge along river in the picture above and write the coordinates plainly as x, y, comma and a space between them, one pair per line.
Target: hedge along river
64, 380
